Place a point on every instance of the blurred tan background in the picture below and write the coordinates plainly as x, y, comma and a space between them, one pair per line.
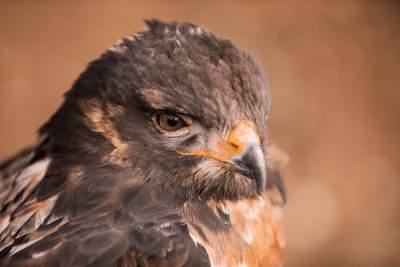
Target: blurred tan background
333, 68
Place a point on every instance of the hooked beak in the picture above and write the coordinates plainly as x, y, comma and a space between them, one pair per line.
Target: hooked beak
251, 163
242, 151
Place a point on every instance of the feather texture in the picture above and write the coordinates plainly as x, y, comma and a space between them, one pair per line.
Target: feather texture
107, 187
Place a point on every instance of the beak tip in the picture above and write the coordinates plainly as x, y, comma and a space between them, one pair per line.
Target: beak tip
251, 163
260, 186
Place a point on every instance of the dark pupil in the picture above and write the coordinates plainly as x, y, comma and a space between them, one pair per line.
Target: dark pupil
172, 121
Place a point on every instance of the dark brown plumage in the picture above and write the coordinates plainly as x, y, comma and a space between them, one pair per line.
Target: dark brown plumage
155, 158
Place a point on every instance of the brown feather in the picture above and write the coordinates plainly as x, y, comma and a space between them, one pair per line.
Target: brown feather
255, 237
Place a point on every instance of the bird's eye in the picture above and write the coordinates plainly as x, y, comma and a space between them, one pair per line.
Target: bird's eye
169, 122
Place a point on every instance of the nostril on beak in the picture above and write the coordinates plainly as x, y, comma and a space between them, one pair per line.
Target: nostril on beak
233, 148
233, 145
240, 137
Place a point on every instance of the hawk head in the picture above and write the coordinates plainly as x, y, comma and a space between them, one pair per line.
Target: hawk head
173, 107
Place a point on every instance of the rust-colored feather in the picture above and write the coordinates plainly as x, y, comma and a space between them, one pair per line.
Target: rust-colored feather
255, 236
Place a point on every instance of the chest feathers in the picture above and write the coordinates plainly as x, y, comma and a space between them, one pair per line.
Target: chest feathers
238, 233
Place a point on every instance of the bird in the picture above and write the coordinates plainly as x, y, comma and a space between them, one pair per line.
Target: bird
159, 155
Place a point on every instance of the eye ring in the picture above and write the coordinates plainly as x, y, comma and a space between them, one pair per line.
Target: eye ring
169, 122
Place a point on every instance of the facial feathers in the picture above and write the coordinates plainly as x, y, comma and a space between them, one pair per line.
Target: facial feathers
157, 157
